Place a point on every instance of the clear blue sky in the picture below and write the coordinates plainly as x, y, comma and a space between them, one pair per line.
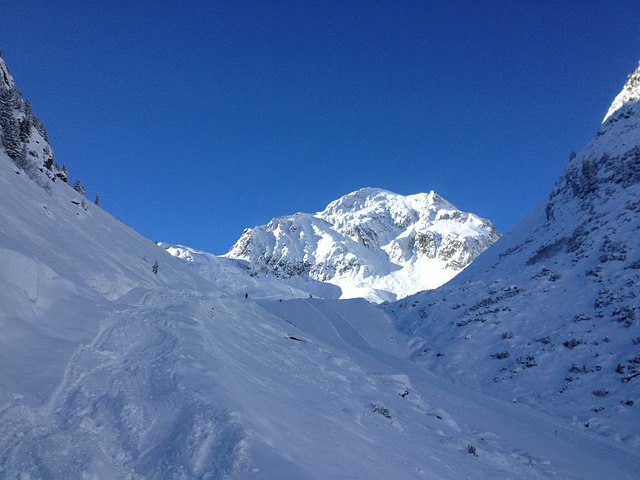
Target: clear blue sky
195, 120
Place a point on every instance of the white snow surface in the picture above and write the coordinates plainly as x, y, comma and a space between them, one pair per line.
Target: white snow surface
233, 277
371, 243
109, 370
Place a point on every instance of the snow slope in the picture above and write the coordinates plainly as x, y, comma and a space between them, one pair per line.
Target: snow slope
109, 370
371, 243
548, 315
234, 276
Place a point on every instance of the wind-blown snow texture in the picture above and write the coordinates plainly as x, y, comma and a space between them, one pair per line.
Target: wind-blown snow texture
549, 315
371, 243
115, 366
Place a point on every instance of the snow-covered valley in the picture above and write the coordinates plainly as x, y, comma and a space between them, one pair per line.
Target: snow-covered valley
120, 360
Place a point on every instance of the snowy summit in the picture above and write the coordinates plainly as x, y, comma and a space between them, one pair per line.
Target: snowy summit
371, 243
628, 97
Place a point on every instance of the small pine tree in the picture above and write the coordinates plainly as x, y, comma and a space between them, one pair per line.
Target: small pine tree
39, 126
154, 269
25, 129
78, 187
28, 109
27, 122
97, 200
22, 162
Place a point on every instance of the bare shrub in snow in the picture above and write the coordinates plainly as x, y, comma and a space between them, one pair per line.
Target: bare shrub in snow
384, 411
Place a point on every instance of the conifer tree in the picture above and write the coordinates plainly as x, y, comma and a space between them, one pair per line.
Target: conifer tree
27, 122
78, 187
10, 130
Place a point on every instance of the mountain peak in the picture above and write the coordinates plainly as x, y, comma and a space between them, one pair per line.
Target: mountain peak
358, 200
367, 201
372, 243
620, 129
630, 94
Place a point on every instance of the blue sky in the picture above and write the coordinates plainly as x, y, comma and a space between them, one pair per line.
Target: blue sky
195, 120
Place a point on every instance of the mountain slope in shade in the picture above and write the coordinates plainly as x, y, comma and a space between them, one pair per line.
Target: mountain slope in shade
549, 315
371, 243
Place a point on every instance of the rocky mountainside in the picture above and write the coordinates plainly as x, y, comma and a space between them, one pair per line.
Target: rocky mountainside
23, 135
371, 243
549, 314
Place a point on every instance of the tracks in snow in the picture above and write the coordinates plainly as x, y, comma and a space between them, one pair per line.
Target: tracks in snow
121, 409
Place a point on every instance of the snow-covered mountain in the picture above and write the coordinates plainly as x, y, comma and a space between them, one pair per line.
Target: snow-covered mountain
549, 315
118, 360
371, 243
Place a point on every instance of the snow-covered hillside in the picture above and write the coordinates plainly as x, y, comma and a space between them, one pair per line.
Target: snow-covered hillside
234, 277
548, 316
118, 360
371, 243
